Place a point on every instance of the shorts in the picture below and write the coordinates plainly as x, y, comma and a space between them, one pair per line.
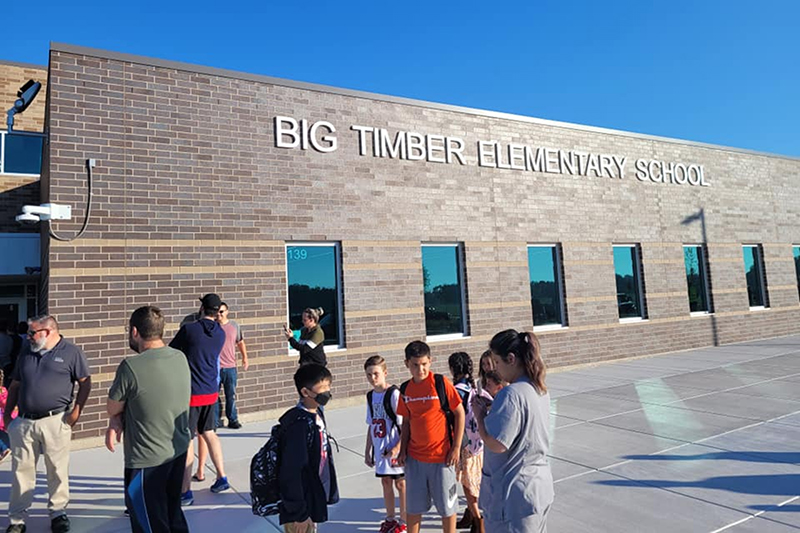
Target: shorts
292, 527
469, 471
391, 476
430, 481
203, 419
535, 523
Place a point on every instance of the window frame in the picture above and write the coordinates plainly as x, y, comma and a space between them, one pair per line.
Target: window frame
639, 274
762, 279
704, 275
559, 279
337, 246
462, 283
3, 134
796, 265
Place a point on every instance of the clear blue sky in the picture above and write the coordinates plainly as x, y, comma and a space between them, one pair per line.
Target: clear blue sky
723, 72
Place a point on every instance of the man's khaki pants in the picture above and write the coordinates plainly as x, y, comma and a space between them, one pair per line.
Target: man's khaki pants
293, 527
50, 437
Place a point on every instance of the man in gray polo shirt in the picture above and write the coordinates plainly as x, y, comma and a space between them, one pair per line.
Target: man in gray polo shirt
42, 386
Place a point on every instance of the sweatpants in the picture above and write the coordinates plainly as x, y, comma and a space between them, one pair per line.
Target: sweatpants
153, 497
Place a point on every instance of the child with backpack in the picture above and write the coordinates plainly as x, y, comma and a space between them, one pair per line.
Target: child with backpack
294, 471
383, 441
468, 471
430, 439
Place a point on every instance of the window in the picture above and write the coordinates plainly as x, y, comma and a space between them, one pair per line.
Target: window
20, 153
627, 268
796, 252
694, 259
544, 271
313, 272
754, 272
442, 274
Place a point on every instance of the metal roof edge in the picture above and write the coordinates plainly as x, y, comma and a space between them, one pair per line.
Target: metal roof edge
226, 73
22, 65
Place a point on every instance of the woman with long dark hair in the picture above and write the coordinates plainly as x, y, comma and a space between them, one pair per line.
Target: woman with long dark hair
517, 487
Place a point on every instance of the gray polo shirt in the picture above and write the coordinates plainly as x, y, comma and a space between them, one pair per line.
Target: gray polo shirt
47, 380
517, 483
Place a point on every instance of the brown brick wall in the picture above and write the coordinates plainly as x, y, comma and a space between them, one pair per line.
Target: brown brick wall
193, 196
16, 191
12, 77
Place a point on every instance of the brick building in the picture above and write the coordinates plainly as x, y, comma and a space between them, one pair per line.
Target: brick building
403, 219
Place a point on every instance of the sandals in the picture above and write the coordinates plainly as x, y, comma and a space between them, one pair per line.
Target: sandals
198, 479
5, 454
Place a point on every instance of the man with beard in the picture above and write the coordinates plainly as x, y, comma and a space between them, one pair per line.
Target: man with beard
149, 401
42, 386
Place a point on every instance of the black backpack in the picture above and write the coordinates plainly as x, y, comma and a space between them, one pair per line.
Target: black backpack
387, 404
441, 392
265, 491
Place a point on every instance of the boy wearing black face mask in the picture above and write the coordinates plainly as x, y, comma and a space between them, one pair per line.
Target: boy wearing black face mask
307, 476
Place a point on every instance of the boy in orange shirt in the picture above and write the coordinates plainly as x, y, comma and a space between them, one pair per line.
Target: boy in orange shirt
430, 440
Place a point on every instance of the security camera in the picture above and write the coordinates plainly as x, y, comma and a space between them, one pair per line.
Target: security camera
25, 96
35, 213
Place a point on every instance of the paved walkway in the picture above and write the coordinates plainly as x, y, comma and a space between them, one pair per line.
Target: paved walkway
706, 440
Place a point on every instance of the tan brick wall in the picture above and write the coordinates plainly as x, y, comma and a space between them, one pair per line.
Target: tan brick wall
192, 196
12, 77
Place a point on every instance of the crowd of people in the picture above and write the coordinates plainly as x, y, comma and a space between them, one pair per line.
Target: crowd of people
424, 437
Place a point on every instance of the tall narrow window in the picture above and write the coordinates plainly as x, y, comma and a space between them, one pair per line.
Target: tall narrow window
544, 270
313, 273
442, 273
696, 278
627, 268
754, 272
796, 252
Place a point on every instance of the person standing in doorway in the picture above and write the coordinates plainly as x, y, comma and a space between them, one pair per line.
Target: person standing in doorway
202, 343
42, 387
149, 401
312, 338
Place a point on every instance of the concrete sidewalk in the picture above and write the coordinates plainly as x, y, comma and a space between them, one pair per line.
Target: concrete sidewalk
704, 440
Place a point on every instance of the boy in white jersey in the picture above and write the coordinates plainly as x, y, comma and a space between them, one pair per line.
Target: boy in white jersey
383, 441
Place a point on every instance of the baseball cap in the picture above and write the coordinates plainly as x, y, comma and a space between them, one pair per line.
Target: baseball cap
211, 301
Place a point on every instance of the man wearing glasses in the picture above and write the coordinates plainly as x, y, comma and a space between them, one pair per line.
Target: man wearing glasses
42, 386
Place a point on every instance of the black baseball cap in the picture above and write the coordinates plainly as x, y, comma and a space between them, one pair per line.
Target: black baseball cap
211, 301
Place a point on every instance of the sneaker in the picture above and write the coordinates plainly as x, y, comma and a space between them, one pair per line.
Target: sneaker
16, 528
388, 525
59, 524
220, 485
234, 424
187, 498
400, 528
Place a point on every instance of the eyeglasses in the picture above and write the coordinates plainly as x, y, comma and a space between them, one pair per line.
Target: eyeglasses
32, 333
223, 311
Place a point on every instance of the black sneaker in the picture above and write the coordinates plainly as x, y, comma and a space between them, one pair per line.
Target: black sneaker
59, 524
16, 528
234, 424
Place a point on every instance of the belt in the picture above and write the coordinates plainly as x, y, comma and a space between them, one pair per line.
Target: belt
39, 416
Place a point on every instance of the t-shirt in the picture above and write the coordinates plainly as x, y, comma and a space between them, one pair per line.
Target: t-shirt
517, 483
324, 460
385, 434
233, 336
47, 379
429, 441
202, 342
155, 386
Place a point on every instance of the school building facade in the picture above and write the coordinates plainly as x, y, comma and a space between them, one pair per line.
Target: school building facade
402, 219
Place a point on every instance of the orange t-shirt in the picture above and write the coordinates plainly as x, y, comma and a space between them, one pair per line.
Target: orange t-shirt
429, 441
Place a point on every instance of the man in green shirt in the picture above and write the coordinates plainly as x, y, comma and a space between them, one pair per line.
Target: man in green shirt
149, 401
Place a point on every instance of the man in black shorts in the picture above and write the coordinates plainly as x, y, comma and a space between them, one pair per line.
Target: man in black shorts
202, 343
